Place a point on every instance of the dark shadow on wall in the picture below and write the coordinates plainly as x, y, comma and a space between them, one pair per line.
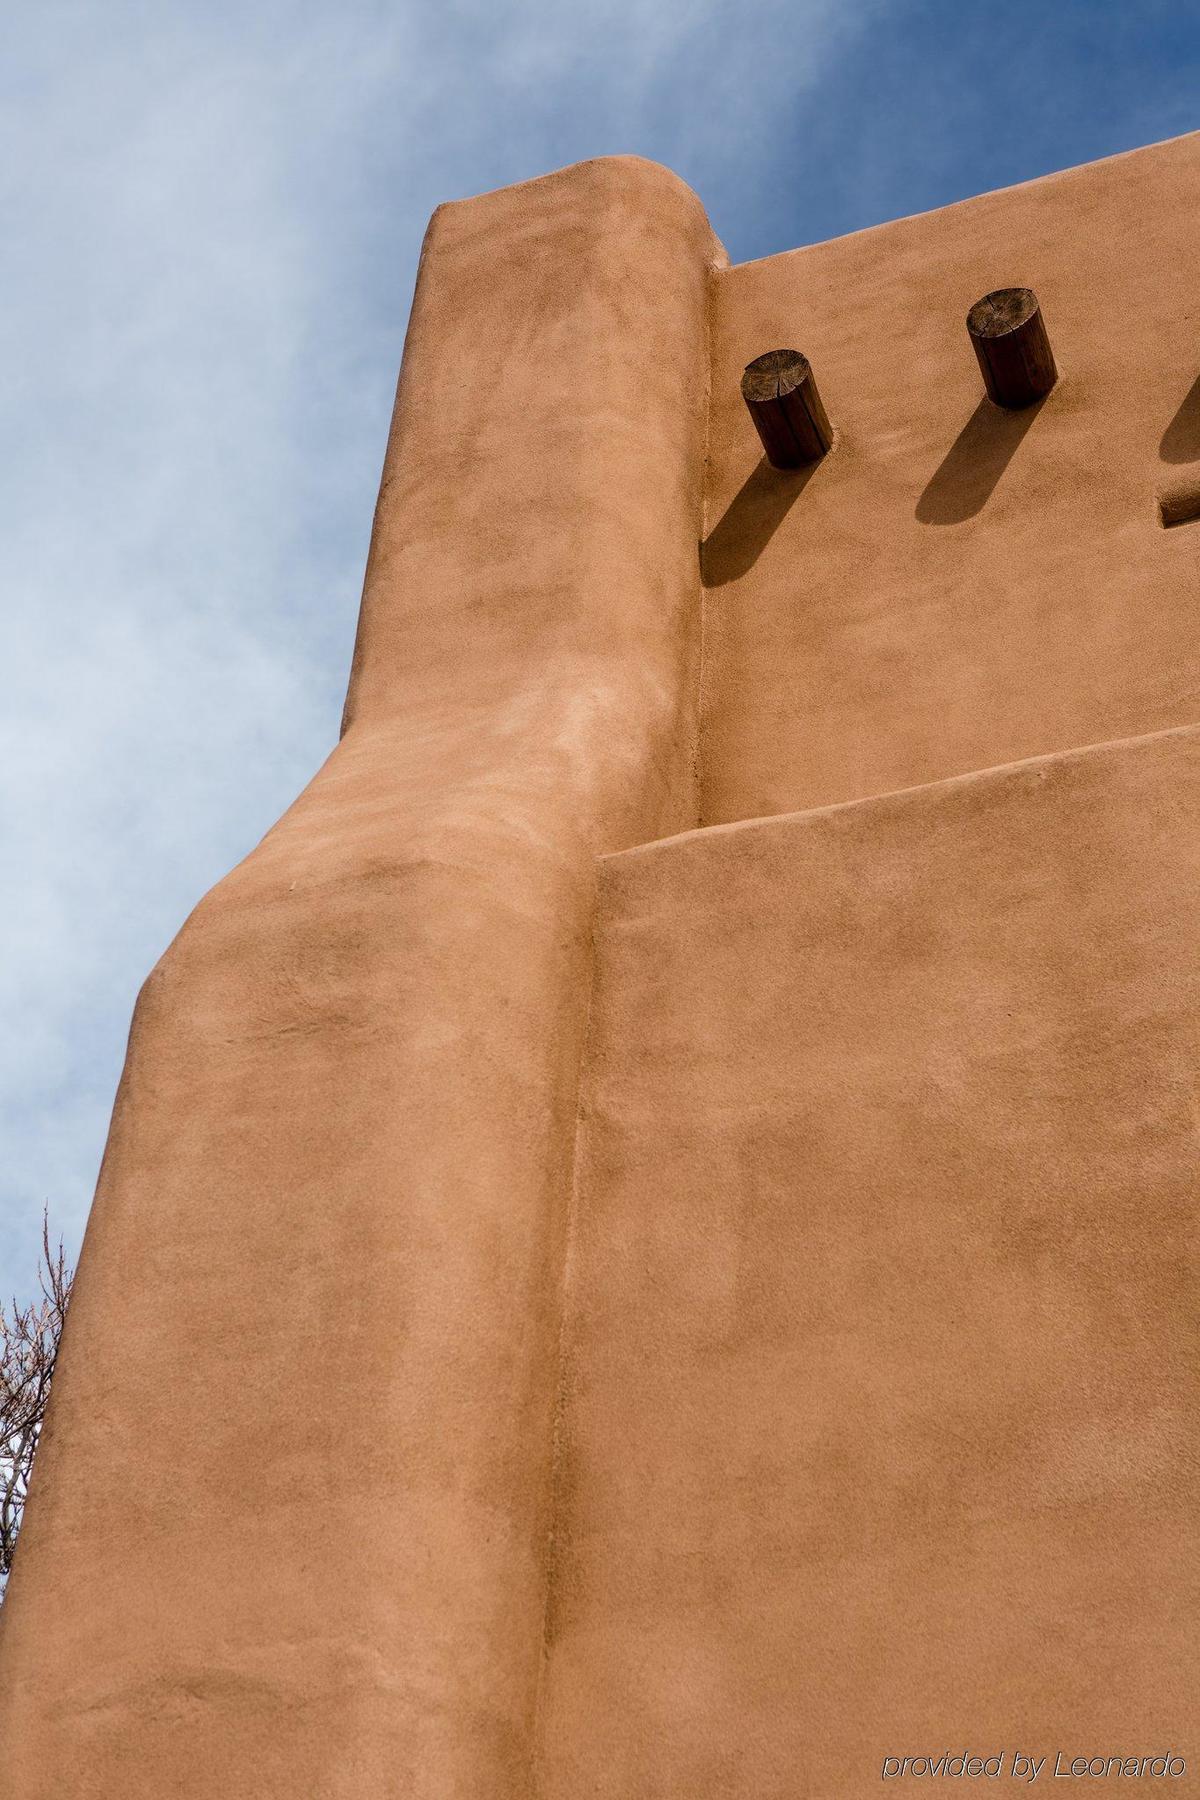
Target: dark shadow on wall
1181, 439
750, 521
964, 481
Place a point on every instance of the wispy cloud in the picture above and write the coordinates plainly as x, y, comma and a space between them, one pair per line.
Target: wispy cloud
212, 217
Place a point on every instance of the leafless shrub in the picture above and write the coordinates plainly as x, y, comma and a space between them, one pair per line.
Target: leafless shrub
29, 1339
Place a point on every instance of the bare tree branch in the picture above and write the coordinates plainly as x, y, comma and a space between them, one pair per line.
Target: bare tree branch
29, 1340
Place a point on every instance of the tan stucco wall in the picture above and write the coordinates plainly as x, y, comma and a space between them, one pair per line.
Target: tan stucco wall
883, 1414
874, 1309
290, 1523
956, 586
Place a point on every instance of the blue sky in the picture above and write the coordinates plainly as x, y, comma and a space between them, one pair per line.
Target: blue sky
212, 214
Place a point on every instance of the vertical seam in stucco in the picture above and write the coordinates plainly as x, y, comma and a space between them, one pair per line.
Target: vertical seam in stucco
698, 771
557, 1431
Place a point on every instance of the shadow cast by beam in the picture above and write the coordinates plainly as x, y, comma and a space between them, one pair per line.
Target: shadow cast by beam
965, 480
1181, 439
750, 521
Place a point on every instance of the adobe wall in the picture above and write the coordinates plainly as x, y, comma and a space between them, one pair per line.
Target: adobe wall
883, 1402
288, 1534
875, 1413
955, 586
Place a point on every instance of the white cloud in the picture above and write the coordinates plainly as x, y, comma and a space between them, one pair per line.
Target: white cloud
212, 220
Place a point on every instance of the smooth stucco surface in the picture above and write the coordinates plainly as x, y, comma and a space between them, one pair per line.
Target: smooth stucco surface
290, 1522
882, 1399
956, 586
857, 1404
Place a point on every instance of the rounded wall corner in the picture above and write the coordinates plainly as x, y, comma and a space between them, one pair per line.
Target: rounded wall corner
637, 181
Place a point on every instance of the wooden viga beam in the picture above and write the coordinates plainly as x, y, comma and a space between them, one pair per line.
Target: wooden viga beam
781, 395
1008, 333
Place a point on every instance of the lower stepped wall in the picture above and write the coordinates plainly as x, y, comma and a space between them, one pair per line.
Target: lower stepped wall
882, 1418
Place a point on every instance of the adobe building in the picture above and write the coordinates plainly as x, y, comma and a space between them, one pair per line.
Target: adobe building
647, 1247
